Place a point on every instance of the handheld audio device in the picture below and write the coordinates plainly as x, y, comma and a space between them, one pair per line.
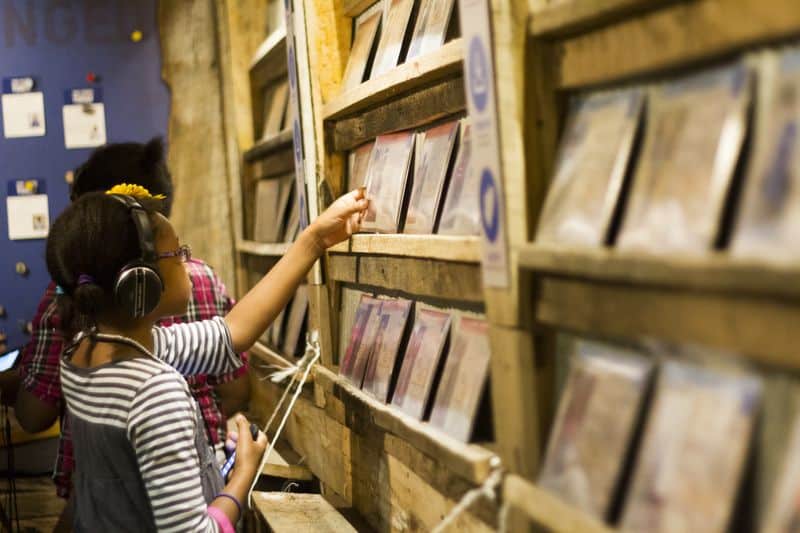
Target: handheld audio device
226, 468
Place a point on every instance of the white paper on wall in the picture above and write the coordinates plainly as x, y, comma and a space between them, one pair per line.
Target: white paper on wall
84, 125
23, 115
28, 217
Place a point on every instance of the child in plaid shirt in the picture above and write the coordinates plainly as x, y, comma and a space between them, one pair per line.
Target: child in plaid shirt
40, 400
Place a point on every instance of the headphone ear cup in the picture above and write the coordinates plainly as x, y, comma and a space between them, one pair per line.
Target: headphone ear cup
138, 289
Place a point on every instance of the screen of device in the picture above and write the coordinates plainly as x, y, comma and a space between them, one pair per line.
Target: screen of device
8, 359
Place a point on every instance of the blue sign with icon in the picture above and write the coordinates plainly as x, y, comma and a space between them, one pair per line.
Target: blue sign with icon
490, 208
478, 73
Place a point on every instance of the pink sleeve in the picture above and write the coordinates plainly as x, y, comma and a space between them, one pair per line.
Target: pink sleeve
221, 519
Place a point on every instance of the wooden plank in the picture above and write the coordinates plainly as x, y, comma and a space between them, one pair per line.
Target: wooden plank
299, 513
548, 511
442, 247
411, 275
717, 272
572, 16
281, 141
447, 62
469, 461
285, 463
269, 62
263, 249
761, 329
353, 8
520, 398
271, 357
274, 164
677, 35
444, 99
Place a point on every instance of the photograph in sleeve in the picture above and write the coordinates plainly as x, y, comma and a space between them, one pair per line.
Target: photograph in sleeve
464, 380
387, 177
693, 453
361, 52
594, 425
362, 339
393, 37
769, 221
380, 370
357, 166
421, 360
694, 134
590, 169
430, 29
461, 209
430, 178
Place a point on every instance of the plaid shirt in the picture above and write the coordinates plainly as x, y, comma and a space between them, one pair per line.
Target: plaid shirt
40, 362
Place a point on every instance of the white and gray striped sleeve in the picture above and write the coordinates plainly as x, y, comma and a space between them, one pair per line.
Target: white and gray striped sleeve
203, 347
161, 429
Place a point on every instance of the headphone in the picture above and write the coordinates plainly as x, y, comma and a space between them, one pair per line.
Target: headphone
138, 285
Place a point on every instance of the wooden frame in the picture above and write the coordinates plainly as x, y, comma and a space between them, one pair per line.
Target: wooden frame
745, 307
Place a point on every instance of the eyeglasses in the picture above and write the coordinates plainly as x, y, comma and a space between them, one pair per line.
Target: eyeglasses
184, 252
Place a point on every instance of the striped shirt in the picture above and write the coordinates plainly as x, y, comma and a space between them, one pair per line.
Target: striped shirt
142, 459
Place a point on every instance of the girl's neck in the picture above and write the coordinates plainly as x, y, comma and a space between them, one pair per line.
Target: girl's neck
140, 331
91, 354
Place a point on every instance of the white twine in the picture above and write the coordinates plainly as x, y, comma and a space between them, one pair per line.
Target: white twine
487, 490
312, 347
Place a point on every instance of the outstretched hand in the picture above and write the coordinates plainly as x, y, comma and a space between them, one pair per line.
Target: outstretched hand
340, 220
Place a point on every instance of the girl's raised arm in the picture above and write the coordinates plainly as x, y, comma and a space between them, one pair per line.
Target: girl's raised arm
258, 308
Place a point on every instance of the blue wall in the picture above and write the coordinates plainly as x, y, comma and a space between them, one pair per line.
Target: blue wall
59, 42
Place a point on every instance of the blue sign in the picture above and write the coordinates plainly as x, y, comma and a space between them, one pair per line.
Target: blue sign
478, 73
298, 144
490, 206
83, 95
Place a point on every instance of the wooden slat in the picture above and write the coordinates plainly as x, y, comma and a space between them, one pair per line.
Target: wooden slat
281, 141
414, 276
269, 356
718, 272
548, 511
445, 248
676, 35
415, 109
353, 8
572, 16
299, 513
470, 461
275, 164
264, 249
761, 329
420, 72
285, 463
269, 62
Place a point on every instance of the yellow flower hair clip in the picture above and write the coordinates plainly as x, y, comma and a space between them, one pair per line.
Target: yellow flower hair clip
131, 189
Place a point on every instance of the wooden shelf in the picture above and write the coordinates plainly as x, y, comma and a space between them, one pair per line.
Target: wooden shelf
441, 247
419, 72
716, 271
748, 308
415, 93
566, 17
548, 511
286, 512
469, 461
263, 148
414, 276
269, 61
285, 463
263, 249
677, 34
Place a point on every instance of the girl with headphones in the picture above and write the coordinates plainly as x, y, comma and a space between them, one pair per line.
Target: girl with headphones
142, 462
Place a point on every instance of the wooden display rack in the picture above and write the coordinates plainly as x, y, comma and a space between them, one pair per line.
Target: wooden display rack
396, 472
552, 49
